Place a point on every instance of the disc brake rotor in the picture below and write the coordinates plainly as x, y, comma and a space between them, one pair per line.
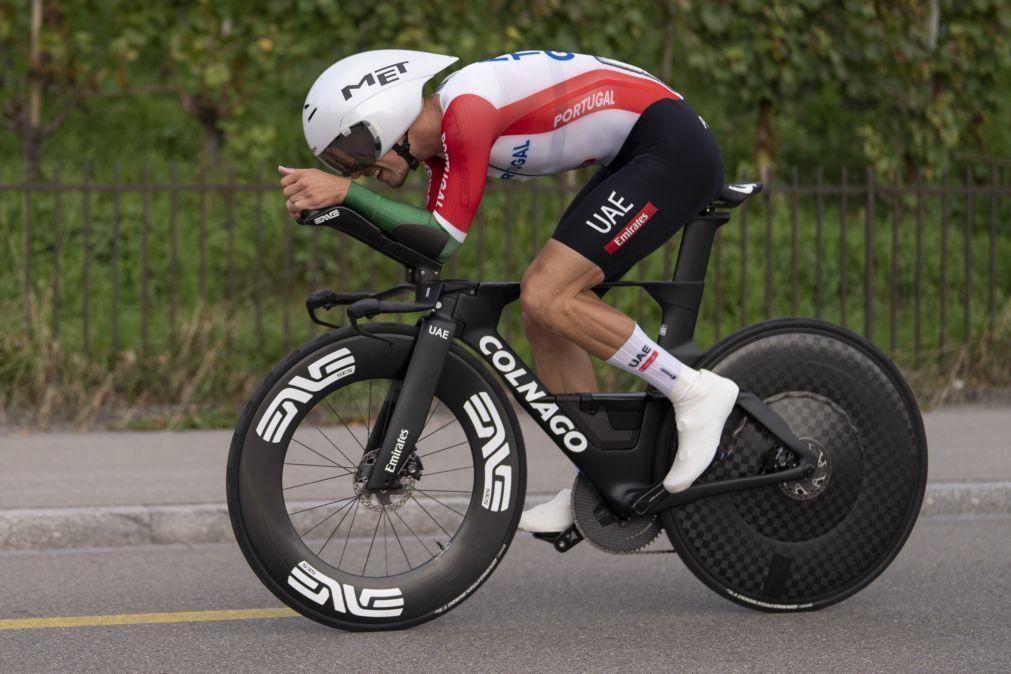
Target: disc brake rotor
602, 528
388, 499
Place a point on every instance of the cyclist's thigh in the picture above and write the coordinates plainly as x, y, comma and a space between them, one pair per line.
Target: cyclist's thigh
642, 204
591, 184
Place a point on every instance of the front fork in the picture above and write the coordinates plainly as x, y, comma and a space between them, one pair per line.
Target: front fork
403, 414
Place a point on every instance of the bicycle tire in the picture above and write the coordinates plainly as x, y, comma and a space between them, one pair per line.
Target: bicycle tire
771, 551
315, 587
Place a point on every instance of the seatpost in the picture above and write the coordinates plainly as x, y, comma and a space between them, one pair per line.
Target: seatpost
696, 246
681, 302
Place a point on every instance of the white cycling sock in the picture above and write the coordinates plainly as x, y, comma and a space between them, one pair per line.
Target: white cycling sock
644, 358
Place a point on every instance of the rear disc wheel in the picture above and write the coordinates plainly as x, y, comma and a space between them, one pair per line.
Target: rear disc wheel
805, 545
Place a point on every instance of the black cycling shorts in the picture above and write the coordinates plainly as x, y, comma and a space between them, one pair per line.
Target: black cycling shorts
667, 170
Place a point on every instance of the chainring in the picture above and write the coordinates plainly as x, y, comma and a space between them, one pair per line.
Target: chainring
617, 535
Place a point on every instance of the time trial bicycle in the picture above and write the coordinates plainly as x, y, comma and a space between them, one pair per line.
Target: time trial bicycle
376, 477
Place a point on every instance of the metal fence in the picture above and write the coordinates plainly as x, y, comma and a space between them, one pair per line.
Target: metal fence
104, 266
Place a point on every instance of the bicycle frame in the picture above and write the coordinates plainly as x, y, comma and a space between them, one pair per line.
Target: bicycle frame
612, 438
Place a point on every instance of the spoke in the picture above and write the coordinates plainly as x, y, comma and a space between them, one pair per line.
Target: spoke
322, 456
449, 491
334, 443
399, 542
341, 419
306, 532
359, 410
421, 456
404, 522
315, 465
439, 472
448, 423
430, 515
374, 532
343, 517
350, 529
322, 505
386, 544
440, 502
318, 454
332, 477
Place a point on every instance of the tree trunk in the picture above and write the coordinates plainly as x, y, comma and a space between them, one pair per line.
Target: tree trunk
31, 136
209, 114
31, 154
765, 142
214, 140
667, 53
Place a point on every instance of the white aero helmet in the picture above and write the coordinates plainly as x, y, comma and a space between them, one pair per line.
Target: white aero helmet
361, 106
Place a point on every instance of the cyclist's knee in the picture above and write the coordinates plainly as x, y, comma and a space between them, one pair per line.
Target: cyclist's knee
537, 298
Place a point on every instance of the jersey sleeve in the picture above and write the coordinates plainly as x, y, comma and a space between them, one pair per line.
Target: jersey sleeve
435, 167
392, 217
470, 125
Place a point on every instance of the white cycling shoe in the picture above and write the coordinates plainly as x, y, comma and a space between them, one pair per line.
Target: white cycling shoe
554, 516
701, 413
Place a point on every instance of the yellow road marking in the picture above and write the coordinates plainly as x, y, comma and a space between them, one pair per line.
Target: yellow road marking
145, 618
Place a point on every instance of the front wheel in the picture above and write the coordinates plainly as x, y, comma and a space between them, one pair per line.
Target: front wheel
300, 458
808, 544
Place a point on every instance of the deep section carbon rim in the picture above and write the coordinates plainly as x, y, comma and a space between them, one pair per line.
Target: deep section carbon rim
809, 544
368, 561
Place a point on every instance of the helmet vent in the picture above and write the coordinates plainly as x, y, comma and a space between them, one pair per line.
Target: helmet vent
311, 114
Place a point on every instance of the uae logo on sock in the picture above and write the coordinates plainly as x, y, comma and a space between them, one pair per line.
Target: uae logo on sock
644, 359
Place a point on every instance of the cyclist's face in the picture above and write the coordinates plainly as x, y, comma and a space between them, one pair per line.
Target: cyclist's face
391, 168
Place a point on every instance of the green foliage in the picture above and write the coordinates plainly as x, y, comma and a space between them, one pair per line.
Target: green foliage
796, 82
935, 80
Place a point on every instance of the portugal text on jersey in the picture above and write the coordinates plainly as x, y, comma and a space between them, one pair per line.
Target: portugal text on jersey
531, 113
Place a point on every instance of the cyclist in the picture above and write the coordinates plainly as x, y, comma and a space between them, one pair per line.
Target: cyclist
520, 115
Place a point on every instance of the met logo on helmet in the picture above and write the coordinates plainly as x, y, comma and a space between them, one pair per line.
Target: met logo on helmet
383, 76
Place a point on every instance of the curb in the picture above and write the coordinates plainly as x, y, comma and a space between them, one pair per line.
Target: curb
116, 526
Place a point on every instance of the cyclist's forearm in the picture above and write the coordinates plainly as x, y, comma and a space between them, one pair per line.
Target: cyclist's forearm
387, 214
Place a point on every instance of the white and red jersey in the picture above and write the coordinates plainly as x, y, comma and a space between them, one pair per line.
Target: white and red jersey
530, 114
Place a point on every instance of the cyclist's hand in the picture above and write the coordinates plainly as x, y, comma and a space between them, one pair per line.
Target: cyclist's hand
309, 189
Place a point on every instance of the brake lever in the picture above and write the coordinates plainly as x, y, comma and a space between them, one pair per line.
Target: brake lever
321, 299
328, 299
353, 320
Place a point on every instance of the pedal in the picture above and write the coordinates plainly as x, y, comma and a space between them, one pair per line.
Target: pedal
566, 540
563, 541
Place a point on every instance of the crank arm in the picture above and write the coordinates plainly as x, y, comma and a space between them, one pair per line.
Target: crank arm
756, 408
657, 499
